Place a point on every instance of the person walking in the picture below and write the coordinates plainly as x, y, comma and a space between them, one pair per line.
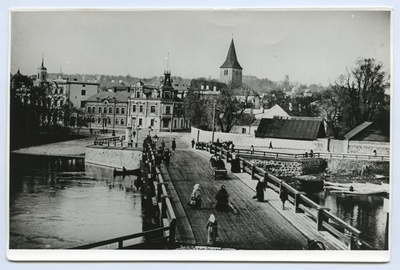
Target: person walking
134, 134
270, 145
193, 143
173, 145
260, 188
212, 230
195, 197
222, 200
283, 196
167, 157
163, 144
251, 149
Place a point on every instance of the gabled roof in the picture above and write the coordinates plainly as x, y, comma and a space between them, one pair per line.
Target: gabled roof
297, 129
121, 96
270, 113
357, 129
231, 59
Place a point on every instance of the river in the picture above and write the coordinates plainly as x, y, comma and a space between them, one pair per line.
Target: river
58, 203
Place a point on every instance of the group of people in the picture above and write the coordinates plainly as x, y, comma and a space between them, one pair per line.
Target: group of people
311, 154
222, 198
260, 188
165, 154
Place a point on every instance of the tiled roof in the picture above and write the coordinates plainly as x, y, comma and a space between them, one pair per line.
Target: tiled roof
121, 96
297, 129
357, 129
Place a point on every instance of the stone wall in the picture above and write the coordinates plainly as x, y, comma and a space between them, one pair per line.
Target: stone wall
281, 168
382, 148
357, 167
113, 157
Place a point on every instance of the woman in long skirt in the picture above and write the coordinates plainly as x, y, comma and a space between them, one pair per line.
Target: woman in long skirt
222, 200
212, 230
260, 188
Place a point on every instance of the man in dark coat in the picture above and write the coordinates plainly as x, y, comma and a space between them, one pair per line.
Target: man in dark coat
222, 200
260, 188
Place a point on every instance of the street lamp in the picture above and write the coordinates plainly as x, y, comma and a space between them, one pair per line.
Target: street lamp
115, 102
137, 136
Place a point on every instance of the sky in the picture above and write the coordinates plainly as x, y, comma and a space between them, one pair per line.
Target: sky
311, 46
308, 46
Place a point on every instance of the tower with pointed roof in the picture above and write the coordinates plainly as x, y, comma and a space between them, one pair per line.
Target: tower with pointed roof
231, 71
41, 78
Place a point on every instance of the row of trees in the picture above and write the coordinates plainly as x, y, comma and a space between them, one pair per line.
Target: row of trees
355, 97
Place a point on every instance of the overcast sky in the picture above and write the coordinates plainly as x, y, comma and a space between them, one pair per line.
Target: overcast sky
309, 46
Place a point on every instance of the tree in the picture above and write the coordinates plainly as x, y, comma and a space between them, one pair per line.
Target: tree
361, 92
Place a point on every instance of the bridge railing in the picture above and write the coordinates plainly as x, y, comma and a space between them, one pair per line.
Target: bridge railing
302, 204
164, 199
282, 155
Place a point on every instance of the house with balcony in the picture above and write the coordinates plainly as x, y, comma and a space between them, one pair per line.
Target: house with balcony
158, 108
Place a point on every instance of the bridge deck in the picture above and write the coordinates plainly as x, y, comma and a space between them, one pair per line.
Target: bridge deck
254, 226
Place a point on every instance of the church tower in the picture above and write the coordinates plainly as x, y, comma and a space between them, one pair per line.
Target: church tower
231, 71
41, 77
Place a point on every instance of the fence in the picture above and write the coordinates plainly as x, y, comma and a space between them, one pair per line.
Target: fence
324, 220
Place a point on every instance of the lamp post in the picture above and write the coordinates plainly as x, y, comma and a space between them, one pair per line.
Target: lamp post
137, 136
213, 123
115, 102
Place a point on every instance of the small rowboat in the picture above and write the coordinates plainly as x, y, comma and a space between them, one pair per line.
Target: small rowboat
126, 172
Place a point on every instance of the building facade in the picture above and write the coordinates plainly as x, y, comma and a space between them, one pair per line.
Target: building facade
157, 108
75, 91
231, 71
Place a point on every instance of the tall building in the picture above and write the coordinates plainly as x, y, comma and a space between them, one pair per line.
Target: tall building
41, 77
231, 71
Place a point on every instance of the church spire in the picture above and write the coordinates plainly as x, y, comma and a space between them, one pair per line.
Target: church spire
42, 60
231, 59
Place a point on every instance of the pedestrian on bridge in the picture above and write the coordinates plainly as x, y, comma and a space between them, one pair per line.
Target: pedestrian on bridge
173, 144
212, 230
222, 200
193, 143
167, 157
284, 197
260, 188
195, 197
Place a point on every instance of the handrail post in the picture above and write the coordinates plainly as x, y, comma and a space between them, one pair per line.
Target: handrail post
297, 200
172, 231
253, 170
120, 244
266, 180
321, 218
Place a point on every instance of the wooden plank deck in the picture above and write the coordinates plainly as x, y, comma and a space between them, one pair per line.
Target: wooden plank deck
255, 226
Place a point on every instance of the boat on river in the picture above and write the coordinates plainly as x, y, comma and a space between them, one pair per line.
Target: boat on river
358, 188
126, 172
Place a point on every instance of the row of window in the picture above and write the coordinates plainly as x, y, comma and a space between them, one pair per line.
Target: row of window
108, 121
104, 110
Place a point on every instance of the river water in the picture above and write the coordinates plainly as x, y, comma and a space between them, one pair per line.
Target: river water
58, 203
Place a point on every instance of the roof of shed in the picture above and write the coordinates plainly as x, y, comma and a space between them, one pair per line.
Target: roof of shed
298, 129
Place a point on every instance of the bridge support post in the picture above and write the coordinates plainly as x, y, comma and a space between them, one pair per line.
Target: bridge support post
253, 171
266, 180
297, 202
321, 218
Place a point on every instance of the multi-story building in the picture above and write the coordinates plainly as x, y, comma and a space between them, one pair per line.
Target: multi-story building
75, 91
157, 108
107, 110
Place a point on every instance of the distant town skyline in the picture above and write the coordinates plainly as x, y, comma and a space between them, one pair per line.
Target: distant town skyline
309, 46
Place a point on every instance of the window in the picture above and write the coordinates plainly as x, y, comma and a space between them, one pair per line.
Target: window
93, 109
225, 72
82, 103
133, 108
117, 110
175, 123
61, 90
141, 108
182, 123
83, 85
138, 94
244, 131
167, 94
110, 110
83, 92
140, 121
116, 122
122, 110
98, 120
153, 109
109, 120
105, 110
167, 110
122, 122
99, 109
89, 109
93, 120
152, 122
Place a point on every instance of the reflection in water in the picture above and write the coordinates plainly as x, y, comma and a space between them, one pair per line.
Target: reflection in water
361, 211
61, 203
